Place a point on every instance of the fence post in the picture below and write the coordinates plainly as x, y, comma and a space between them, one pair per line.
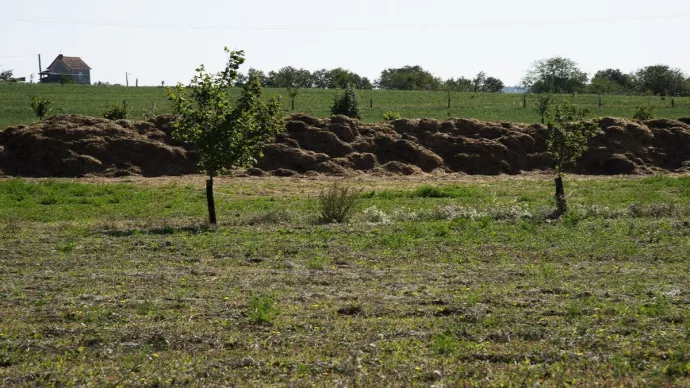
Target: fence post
673, 103
524, 101
599, 101
124, 104
371, 102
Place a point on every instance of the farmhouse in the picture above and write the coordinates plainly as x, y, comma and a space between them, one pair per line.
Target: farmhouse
64, 68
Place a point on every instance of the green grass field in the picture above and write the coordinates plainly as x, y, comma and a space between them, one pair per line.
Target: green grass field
456, 282
92, 100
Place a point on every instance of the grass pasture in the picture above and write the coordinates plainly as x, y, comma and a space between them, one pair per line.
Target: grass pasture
453, 281
92, 101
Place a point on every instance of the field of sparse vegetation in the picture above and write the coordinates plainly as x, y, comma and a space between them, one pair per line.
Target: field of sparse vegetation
143, 102
447, 280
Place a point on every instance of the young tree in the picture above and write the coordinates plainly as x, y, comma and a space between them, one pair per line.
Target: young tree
543, 106
346, 104
225, 136
567, 137
292, 92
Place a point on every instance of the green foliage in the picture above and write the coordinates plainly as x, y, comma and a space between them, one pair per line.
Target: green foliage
116, 112
543, 106
6, 75
346, 104
262, 308
643, 112
555, 75
66, 79
338, 203
568, 134
493, 85
408, 78
445, 344
391, 116
226, 137
661, 80
40, 106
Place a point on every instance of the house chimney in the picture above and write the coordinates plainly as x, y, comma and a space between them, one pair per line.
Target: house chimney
60, 56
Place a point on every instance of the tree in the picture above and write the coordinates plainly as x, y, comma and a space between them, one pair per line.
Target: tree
292, 92
567, 137
479, 81
555, 75
346, 104
461, 84
543, 106
493, 85
6, 75
661, 80
226, 137
617, 80
408, 78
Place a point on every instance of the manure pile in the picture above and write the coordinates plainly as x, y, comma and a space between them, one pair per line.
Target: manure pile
78, 145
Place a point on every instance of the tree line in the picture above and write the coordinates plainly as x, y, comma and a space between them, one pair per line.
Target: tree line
404, 78
553, 75
562, 75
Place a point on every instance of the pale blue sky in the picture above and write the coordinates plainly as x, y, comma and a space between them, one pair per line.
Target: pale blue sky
158, 40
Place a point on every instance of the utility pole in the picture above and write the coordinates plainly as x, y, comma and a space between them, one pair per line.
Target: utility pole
127, 79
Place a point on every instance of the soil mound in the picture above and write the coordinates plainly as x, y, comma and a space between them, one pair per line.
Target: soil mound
70, 145
78, 145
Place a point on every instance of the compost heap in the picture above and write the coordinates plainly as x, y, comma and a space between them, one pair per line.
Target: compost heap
71, 146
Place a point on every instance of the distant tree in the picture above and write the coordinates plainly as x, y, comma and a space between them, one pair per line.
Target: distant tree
6, 75
241, 80
567, 138
290, 77
611, 81
340, 78
263, 78
461, 84
479, 81
318, 79
661, 80
555, 75
408, 78
225, 136
493, 85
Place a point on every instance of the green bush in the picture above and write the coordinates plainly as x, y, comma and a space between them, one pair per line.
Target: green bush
262, 308
643, 112
41, 106
338, 203
391, 116
346, 104
116, 112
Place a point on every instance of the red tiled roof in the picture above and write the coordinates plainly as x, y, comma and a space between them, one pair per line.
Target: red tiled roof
74, 63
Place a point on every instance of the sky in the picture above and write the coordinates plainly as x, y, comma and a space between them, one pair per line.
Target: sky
165, 40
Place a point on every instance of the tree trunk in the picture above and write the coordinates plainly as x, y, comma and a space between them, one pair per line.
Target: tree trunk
561, 204
293, 103
210, 201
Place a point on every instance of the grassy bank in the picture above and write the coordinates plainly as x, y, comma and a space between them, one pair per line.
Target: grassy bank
460, 282
92, 100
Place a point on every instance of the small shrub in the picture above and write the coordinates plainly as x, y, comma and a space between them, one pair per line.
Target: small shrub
374, 215
643, 112
391, 116
151, 112
338, 203
262, 308
41, 107
346, 104
445, 344
116, 112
